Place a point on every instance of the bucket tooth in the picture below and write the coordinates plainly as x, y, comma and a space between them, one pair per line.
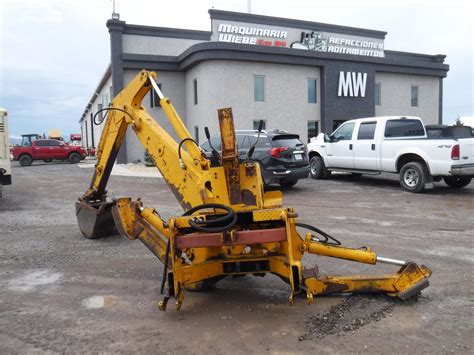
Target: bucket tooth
96, 220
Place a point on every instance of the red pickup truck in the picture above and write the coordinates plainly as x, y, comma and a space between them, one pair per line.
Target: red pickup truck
47, 150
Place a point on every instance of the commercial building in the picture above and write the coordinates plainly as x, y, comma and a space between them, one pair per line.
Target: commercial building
300, 76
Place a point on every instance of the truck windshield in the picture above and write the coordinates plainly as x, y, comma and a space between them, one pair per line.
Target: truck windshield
404, 128
344, 132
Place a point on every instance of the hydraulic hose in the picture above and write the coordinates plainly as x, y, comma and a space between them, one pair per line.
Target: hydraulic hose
179, 149
165, 267
107, 109
326, 236
214, 225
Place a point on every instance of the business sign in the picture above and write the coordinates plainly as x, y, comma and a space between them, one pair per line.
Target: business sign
318, 41
332, 43
352, 84
251, 35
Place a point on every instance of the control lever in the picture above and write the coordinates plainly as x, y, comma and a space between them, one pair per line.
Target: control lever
215, 154
252, 148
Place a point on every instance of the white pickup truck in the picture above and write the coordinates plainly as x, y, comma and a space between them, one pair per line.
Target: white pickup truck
394, 145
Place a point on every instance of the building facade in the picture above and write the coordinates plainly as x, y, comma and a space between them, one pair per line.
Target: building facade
303, 77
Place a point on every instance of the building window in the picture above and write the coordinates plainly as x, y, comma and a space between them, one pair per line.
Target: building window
100, 114
195, 91
154, 98
99, 107
105, 100
378, 92
312, 91
414, 96
312, 129
196, 134
87, 134
256, 123
259, 88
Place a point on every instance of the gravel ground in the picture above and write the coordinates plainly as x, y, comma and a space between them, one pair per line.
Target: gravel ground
62, 293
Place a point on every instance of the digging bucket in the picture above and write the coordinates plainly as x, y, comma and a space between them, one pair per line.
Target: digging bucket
95, 220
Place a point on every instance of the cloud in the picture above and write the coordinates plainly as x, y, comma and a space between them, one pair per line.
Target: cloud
39, 102
43, 13
54, 52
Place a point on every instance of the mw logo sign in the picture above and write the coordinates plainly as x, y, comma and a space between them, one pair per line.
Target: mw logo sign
352, 84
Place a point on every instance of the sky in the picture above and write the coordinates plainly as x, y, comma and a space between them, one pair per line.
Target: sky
54, 52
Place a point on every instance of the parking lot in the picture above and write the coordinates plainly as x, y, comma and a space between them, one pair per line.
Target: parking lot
62, 293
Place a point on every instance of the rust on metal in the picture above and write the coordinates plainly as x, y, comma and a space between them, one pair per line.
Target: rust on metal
230, 158
248, 237
226, 125
332, 287
250, 170
248, 198
185, 205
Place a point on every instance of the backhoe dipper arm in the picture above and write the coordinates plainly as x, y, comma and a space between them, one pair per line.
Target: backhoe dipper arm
115, 129
126, 110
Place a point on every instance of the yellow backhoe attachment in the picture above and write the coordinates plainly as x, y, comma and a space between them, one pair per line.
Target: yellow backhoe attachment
230, 226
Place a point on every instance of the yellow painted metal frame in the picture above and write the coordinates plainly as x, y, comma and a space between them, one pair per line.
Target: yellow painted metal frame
197, 183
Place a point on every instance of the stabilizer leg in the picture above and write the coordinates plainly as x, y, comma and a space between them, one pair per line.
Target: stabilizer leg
407, 282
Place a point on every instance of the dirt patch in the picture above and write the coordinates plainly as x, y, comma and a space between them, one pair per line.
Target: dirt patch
353, 312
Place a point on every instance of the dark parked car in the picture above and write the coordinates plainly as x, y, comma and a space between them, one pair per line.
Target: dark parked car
282, 156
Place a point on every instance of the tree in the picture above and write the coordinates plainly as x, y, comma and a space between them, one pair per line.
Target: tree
458, 122
148, 160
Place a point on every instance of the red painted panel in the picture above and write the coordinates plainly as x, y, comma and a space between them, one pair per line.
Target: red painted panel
249, 237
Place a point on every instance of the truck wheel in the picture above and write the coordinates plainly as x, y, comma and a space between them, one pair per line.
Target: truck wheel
287, 183
413, 177
25, 160
457, 181
74, 158
317, 169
